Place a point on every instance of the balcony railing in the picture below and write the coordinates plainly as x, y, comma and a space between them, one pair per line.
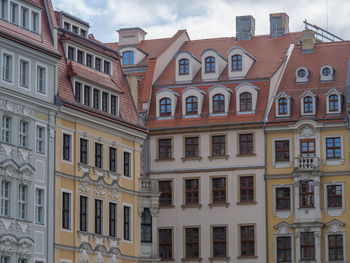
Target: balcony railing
148, 185
307, 163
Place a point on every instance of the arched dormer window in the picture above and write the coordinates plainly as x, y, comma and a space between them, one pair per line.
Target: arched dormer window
333, 101
245, 101
183, 66
236, 62
308, 104
209, 64
165, 107
282, 106
218, 103
191, 105
146, 226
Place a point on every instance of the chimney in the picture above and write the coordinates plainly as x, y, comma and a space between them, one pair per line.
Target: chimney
279, 25
308, 41
131, 36
245, 27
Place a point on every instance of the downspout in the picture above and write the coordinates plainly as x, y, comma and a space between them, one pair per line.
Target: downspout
347, 101
266, 204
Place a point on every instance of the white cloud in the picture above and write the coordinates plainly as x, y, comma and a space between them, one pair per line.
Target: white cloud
80, 8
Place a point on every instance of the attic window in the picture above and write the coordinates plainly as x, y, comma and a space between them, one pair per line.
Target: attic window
218, 103
301, 73
333, 103
191, 105
165, 107
210, 64
282, 106
326, 71
308, 104
128, 57
236, 62
129, 36
184, 66
245, 101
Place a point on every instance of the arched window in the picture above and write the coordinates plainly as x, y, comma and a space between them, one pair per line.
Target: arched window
191, 105
165, 107
183, 66
209, 64
218, 103
236, 62
308, 105
333, 103
146, 226
282, 106
245, 101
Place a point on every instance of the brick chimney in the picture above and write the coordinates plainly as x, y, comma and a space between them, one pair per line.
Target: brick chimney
130, 36
245, 27
279, 25
308, 41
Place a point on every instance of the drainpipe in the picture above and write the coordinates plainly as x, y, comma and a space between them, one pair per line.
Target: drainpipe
266, 210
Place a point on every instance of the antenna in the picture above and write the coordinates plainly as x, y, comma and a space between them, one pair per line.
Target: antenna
327, 15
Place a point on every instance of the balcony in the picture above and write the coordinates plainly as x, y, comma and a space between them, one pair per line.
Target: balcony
307, 163
148, 185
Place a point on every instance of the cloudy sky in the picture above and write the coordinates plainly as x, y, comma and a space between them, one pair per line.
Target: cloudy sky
203, 18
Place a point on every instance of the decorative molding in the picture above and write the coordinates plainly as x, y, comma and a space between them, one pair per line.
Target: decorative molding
99, 258
84, 257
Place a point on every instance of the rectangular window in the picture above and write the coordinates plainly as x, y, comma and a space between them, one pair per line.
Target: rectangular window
66, 26
71, 53
219, 190
66, 207
22, 260
40, 139
5, 198
104, 101
112, 219
87, 95
127, 164
192, 191
6, 135
146, 226
98, 216
282, 151
166, 193
35, 22
41, 80
7, 67
219, 242
107, 67
83, 214
307, 148
218, 145
247, 241
335, 247
98, 155
84, 151
25, 17
98, 64
192, 242
246, 144
80, 56
23, 133
334, 196
13, 13
75, 29
83, 32
333, 148
89, 60
39, 206
22, 201
24, 73
96, 99
165, 237
284, 249
306, 194
127, 223
77, 93
191, 147
66, 147
246, 189
164, 149
114, 105
3, 9
307, 246
112, 159
283, 198
5, 259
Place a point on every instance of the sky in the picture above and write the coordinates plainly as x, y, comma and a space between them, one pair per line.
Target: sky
203, 18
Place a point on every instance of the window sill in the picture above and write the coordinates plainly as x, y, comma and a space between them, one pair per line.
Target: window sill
218, 114
191, 259
184, 159
247, 203
211, 157
199, 206
219, 205
247, 257
163, 118
165, 160
246, 155
167, 207
211, 259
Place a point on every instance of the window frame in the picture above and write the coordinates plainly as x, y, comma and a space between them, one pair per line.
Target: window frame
307, 193
284, 249
307, 246
130, 223
11, 67
159, 146
168, 193
193, 105
130, 176
82, 153
248, 240
112, 220
239, 192
246, 152
334, 148
192, 242
225, 155
245, 100
128, 57
7, 131
99, 219
45, 81
210, 62
111, 167
70, 148
27, 61
6, 199
338, 210
85, 214
167, 106
37, 205
284, 103
283, 150
184, 67
166, 244
212, 243
147, 226
193, 191
236, 62
222, 189
99, 155
189, 141
24, 136
219, 104
38, 140
70, 209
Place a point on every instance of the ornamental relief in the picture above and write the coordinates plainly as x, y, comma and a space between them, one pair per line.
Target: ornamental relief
11, 170
11, 225
306, 132
99, 187
10, 244
11, 107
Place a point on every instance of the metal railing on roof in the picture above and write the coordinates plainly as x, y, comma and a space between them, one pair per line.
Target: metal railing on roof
321, 34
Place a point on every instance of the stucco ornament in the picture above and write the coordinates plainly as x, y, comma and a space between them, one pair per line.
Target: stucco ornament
114, 193
84, 257
84, 185
25, 246
154, 211
99, 258
99, 190
113, 259
307, 132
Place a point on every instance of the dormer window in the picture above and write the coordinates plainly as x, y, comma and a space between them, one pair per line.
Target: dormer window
183, 66
302, 75
333, 101
71, 52
282, 106
128, 57
308, 104
166, 102
246, 98
191, 106
327, 73
192, 102
236, 62
209, 64
245, 101
66, 26
218, 103
165, 107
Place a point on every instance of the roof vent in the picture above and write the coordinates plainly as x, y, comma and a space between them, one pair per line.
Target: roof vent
131, 36
308, 41
279, 25
245, 27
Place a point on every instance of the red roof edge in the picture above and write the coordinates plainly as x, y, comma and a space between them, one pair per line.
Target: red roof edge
146, 90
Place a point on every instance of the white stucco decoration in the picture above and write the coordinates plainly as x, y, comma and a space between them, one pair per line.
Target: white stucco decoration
99, 258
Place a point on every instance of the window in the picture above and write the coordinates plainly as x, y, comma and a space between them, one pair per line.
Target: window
326, 71
246, 144
165, 107
24, 73
307, 147
83, 32
83, 213
66, 207
283, 198
334, 196
96, 99
245, 101
112, 159
78, 92
127, 223
247, 241
75, 29
39, 206
166, 193
146, 226
66, 147
14, 13
41, 80
80, 56
5, 259
7, 67
40, 139
128, 57
23, 133
209, 64
112, 219
66, 26
22, 201
284, 249
5, 198
3, 11
308, 104
301, 73
107, 67
98, 155
87, 95
183, 66
282, 106
218, 103
71, 53
246, 184
307, 246
22, 260
191, 147
306, 194
89, 60
114, 105
164, 149
191, 191
218, 145
219, 242
335, 247
104, 101
98, 216
236, 62
84, 151
25, 17
219, 190
333, 148
35, 22
282, 151
165, 237
6, 135
192, 242
98, 64
191, 105
333, 103
127, 164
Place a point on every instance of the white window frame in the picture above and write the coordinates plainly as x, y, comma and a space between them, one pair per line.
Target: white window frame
8, 198
4, 130
40, 65
288, 234
170, 94
283, 214
6, 12
329, 78
37, 126
70, 192
16, 22
338, 161
277, 98
28, 16
303, 80
39, 22
195, 92
20, 59
70, 148
131, 164
21, 134
88, 149
335, 230
130, 225
253, 90
308, 93
334, 91
36, 205
334, 211
11, 68
226, 92
23, 204
284, 164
